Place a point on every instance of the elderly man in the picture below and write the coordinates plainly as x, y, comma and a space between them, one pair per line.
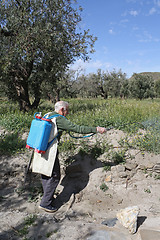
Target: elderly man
51, 177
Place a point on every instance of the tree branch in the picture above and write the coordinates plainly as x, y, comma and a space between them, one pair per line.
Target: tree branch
6, 33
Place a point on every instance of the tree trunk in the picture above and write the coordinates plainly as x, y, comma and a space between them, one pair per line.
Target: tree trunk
20, 75
22, 94
103, 93
37, 96
57, 97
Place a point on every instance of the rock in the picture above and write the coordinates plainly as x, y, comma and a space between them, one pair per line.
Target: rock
113, 169
122, 174
119, 171
108, 178
130, 166
141, 166
120, 168
110, 222
128, 218
119, 201
156, 168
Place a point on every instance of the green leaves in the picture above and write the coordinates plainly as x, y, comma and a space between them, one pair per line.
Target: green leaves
39, 39
142, 86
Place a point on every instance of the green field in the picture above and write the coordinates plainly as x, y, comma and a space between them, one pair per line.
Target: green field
128, 115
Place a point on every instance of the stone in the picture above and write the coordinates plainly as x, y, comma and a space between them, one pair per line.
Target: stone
122, 174
108, 178
142, 167
113, 169
128, 218
156, 168
119, 201
110, 222
120, 168
149, 166
130, 166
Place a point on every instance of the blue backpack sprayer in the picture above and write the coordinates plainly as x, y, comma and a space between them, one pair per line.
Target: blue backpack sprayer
39, 133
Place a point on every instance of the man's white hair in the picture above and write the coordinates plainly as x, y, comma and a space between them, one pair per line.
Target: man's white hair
61, 104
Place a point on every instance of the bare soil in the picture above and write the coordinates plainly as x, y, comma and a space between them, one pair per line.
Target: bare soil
86, 196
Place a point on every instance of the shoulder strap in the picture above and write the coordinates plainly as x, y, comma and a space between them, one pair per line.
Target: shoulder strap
55, 115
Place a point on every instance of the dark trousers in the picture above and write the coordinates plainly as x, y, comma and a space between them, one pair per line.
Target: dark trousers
49, 184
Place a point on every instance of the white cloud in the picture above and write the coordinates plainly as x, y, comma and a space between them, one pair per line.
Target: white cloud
91, 66
124, 21
111, 31
157, 2
135, 28
147, 37
152, 11
133, 13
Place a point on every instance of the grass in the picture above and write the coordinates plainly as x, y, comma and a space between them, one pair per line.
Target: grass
28, 221
104, 187
11, 143
126, 114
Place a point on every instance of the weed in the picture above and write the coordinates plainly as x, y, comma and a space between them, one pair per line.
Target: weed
50, 233
157, 177
147, 190
96, 151
28, 221
67, 145
118, 156
145, 170
24, 231
104, 187
20, 191
11, 143
84, 149
107, 168
69, 161
34, 193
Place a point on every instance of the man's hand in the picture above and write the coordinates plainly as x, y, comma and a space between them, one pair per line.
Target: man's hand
101, 130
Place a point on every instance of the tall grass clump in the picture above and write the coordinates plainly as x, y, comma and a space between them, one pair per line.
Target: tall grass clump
16, 122
119, 113
11, 143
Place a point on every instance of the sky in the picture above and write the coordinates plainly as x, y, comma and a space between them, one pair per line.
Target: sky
128, 33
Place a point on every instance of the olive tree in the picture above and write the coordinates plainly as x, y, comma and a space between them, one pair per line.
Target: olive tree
39, 39
141, 86
157, 87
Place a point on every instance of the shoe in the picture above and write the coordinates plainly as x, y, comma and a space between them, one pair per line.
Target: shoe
50, 209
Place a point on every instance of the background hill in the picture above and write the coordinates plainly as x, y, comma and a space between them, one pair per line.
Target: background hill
154, 75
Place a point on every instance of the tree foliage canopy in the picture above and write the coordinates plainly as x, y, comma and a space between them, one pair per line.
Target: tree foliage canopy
38, 41
141, 86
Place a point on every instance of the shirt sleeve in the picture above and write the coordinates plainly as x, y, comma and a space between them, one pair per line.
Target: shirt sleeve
65, 124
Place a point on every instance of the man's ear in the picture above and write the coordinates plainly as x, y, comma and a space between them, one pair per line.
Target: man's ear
61, 111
